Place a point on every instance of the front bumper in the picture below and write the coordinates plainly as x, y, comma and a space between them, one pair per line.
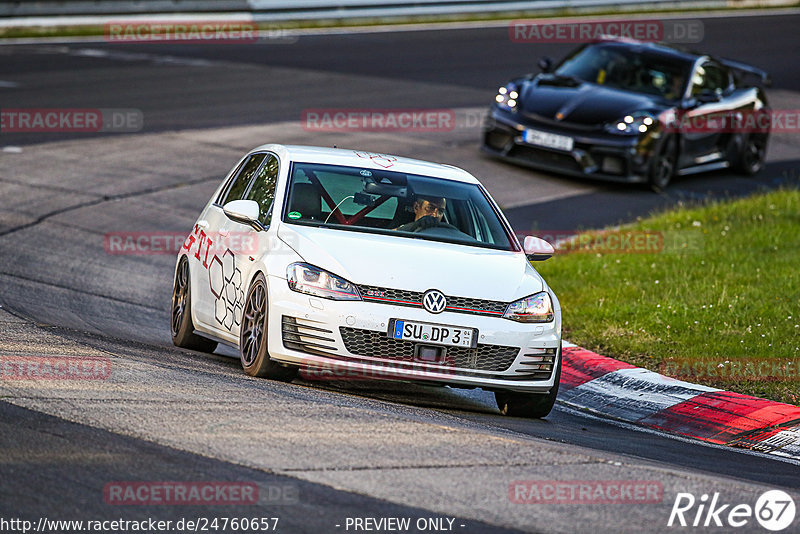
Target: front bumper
619, 158
349, 339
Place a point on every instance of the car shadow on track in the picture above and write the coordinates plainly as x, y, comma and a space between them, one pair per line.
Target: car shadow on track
411, 394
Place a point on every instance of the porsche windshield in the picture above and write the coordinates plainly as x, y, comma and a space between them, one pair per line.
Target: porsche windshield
392, 203
632, 70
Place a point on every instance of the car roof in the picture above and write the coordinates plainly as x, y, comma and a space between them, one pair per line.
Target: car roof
660, 49
367, 159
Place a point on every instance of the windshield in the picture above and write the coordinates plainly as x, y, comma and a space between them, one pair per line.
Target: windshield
623, 68
392, 203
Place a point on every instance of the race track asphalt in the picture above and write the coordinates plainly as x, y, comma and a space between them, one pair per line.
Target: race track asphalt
345, 449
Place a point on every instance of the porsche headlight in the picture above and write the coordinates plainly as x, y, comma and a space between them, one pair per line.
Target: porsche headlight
507, 97
635, 123
305, 278
536, 308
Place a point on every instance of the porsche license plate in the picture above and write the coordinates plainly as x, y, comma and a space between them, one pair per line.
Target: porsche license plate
452, 336
549, 140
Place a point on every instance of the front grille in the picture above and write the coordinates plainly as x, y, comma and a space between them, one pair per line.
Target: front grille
545, 157
402, 297
374, 344
468, 305
561, 126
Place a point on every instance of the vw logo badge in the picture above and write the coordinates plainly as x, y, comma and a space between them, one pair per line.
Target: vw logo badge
434, 301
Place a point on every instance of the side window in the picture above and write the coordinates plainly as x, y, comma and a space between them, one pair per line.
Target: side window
263, 189
238, 184
710, 77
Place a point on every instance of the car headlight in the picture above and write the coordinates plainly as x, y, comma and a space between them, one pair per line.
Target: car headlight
305, 278
507, 97
536, 308
635, 123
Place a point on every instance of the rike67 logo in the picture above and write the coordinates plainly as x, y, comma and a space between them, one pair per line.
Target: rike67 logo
774, 510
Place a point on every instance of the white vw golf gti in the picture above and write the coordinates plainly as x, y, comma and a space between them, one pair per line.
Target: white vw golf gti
378, 265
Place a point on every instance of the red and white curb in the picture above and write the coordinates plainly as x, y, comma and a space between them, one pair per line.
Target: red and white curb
611, 388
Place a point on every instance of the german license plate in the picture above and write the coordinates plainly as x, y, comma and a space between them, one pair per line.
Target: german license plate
452, 336
549, 140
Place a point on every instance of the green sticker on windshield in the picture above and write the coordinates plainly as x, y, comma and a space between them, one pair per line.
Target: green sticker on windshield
294, 215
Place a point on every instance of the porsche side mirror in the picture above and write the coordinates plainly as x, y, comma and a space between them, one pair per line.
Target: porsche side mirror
537, 249
244, 212
546, 64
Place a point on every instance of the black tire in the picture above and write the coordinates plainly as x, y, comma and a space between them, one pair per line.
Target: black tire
253, 336
663, 163
531, 405
752, 154
181, 324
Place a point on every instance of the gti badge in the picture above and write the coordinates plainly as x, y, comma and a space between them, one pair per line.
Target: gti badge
434, 301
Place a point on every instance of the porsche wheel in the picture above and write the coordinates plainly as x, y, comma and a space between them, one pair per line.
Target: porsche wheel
752, 155
529, 405
662, 166
253, 336
181, 324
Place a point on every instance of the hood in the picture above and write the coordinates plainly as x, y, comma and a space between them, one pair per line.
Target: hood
580, 102
415, 264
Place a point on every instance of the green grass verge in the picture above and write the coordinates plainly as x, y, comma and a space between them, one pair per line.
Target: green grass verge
719, 304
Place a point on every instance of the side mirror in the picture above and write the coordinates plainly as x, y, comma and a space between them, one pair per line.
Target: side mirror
244, 212
537, 249
546, 64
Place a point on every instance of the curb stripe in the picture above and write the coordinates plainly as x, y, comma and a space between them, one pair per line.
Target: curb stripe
580, 366
784, 443
720, 417
619, 390
633, 394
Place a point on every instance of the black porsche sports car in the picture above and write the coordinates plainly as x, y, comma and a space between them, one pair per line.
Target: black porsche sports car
630, 111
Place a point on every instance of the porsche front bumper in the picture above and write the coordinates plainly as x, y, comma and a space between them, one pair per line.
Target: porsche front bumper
595, 154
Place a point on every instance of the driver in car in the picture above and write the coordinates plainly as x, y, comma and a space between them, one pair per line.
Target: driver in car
428, 212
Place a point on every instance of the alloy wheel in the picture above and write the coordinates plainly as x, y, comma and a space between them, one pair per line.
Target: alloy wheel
253, 324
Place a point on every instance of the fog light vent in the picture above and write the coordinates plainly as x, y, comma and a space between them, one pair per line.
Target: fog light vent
612, 165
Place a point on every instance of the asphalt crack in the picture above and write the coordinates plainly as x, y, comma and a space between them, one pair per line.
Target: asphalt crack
83, 291
102, 199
